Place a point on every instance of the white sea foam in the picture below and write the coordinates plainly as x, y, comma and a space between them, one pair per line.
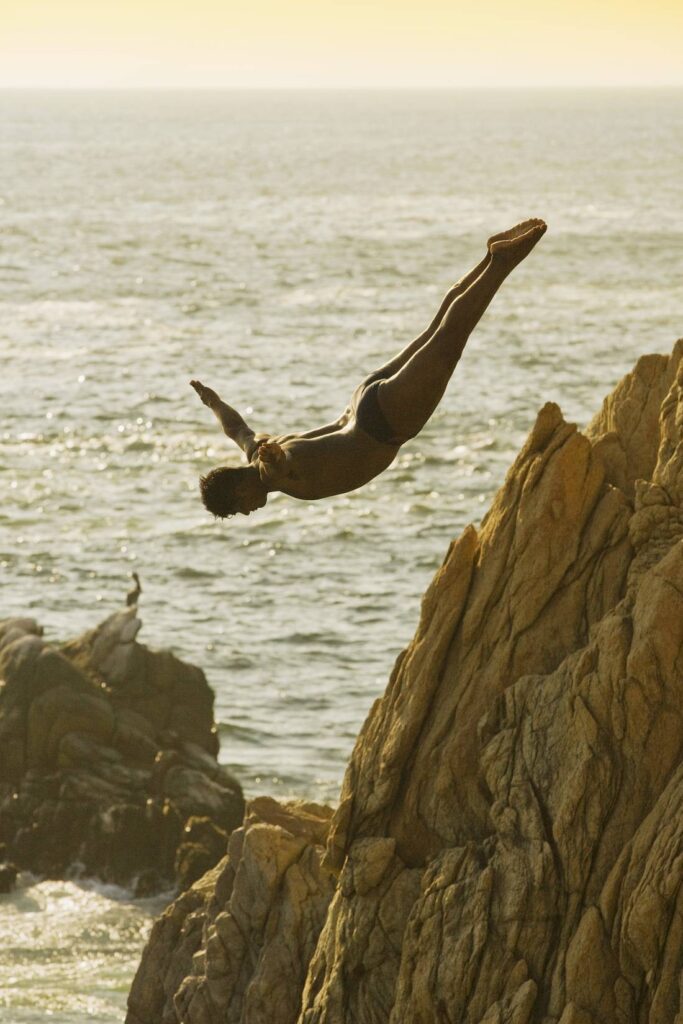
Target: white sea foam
69, 950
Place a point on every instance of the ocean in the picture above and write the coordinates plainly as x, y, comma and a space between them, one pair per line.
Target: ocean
279, 246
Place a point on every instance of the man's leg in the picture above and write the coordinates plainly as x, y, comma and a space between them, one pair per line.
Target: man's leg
391, 367
394, 365
409, 397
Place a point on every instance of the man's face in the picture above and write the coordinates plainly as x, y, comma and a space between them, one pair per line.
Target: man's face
250, 495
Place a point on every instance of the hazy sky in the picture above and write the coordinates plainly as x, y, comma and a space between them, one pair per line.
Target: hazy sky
340, 42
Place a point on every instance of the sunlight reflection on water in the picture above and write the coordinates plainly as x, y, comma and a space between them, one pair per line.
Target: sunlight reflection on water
235, 237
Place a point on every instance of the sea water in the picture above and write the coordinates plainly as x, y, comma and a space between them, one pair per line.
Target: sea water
279, 246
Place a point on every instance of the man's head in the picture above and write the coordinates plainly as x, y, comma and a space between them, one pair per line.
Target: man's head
228, 490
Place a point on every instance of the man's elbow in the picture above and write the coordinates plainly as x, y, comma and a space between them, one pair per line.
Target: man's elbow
241, 435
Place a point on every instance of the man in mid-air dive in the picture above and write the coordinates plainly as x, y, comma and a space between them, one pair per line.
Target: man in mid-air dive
388, 408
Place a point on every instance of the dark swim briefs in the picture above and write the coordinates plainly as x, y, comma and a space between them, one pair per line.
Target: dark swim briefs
369, 415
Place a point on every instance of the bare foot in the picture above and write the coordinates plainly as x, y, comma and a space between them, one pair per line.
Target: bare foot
516, 243
207, 395
515, 232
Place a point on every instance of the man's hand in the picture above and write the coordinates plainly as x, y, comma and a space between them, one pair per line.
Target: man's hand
271, 453
232, 423
207, 395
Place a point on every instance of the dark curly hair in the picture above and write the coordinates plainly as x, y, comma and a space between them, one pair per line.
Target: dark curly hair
218, 489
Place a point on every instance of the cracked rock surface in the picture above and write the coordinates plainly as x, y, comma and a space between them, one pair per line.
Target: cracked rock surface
237, 945
508, 844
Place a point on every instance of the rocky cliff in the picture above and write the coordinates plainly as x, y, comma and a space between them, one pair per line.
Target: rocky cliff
508, 845
108, 759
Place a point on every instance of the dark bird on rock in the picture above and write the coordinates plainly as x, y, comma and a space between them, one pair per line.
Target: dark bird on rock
133, 594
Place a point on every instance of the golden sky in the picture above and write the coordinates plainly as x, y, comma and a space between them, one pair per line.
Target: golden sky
340, 42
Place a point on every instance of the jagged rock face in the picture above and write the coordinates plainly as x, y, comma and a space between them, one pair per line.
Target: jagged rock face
107, 750
550, 559
509, 838
236, 947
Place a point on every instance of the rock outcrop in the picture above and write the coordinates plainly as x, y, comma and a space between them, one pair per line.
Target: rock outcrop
508, 845
238, 944
108, 759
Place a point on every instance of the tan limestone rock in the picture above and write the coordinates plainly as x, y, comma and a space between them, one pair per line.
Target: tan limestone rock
550, 559
508, 846
259, 930
626, 430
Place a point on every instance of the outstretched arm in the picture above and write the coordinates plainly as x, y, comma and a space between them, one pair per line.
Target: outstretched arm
232, 423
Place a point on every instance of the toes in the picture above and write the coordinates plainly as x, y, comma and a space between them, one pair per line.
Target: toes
520, 229
517, 232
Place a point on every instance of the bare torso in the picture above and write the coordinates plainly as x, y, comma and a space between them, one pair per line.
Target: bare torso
332, 463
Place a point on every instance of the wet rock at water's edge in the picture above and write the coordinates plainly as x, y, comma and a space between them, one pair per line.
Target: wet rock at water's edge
8, 871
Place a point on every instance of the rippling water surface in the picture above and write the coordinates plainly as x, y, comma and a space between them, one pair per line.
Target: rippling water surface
69, 951
278, 247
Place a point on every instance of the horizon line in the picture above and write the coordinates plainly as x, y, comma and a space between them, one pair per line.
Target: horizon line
369, 87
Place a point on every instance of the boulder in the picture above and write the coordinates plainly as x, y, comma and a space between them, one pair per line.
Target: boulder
107, 751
